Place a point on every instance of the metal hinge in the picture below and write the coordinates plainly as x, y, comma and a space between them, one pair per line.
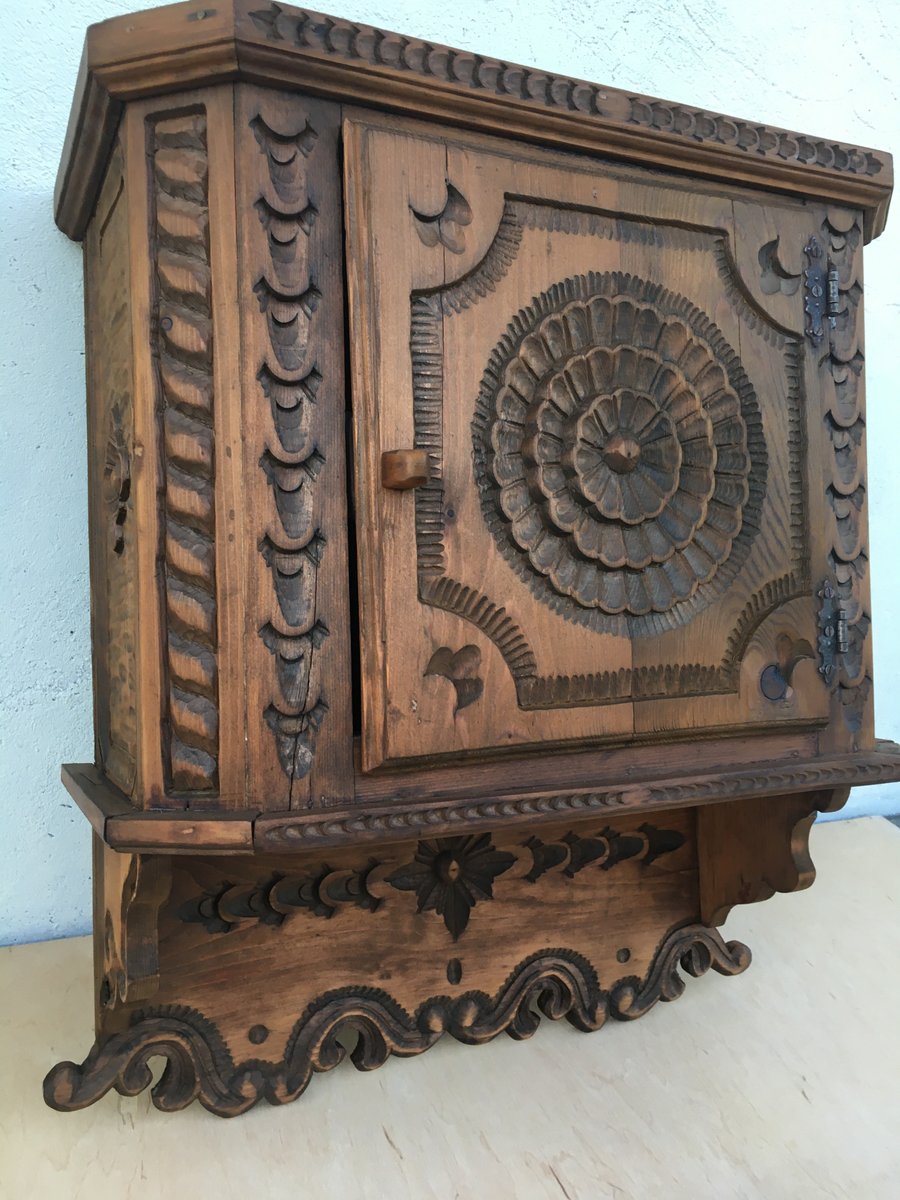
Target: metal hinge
834, 633
821, 291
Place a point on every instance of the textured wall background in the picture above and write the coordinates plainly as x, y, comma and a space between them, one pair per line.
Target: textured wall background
833, 69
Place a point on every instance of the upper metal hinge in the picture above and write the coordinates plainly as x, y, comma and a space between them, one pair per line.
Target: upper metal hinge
821, 291
834, 635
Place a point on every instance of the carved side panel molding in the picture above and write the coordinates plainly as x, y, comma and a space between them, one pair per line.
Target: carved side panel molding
845, 595
294, 464
183, 353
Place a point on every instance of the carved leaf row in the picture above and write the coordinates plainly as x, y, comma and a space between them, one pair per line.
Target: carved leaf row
288, 298
846, 490
448, 876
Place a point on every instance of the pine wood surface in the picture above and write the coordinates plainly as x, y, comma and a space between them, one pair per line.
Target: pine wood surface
181, 45
473, 525
474, 255
776, 1085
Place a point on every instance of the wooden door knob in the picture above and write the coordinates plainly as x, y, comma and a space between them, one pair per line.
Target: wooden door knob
404, 469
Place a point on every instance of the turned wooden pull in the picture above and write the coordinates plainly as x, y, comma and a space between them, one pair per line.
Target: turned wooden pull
404, 469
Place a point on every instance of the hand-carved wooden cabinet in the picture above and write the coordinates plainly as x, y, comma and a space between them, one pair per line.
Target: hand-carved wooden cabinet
478, 541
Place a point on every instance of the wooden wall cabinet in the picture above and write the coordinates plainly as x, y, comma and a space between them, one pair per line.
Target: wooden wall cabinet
478, 541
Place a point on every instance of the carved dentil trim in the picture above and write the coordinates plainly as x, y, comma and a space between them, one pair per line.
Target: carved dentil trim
462, 70
183, 353
469, 815
556, 983
294, 466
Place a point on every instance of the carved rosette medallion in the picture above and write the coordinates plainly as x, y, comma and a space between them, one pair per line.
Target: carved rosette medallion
612, 453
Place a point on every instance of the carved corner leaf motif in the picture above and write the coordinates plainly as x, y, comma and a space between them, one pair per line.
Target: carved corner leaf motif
774, 276
445, 228
775, 678
451, 875
461, 669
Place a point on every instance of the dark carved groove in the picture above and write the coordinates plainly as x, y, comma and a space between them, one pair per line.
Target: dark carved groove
287, 315
460, 69
773, 275
461, 668
291, 401
445, 228
449, 876
283, 231
556, 983
468, 289
293, 659
183, 353
117, 474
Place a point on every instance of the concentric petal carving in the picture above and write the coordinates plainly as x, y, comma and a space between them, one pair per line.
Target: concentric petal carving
611, 445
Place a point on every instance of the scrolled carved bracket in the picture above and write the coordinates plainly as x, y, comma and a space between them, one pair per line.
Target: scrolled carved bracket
695, 949
554, 983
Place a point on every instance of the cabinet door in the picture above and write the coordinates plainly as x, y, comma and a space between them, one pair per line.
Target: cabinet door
613, 538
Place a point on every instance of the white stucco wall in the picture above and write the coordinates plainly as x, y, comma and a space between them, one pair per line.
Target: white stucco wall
831, 69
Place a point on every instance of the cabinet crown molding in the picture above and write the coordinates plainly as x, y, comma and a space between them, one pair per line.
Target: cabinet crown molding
178, 46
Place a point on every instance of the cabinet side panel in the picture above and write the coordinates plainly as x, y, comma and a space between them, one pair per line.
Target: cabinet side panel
110, 428
289, 237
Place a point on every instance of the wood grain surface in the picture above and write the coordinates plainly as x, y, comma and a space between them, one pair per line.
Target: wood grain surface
741, 1090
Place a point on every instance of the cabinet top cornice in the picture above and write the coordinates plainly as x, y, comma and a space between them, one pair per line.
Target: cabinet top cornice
179, 46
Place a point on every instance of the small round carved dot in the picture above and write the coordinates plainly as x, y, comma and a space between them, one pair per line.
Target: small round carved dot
622, 453
166, 323
258, 1034
623, 955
